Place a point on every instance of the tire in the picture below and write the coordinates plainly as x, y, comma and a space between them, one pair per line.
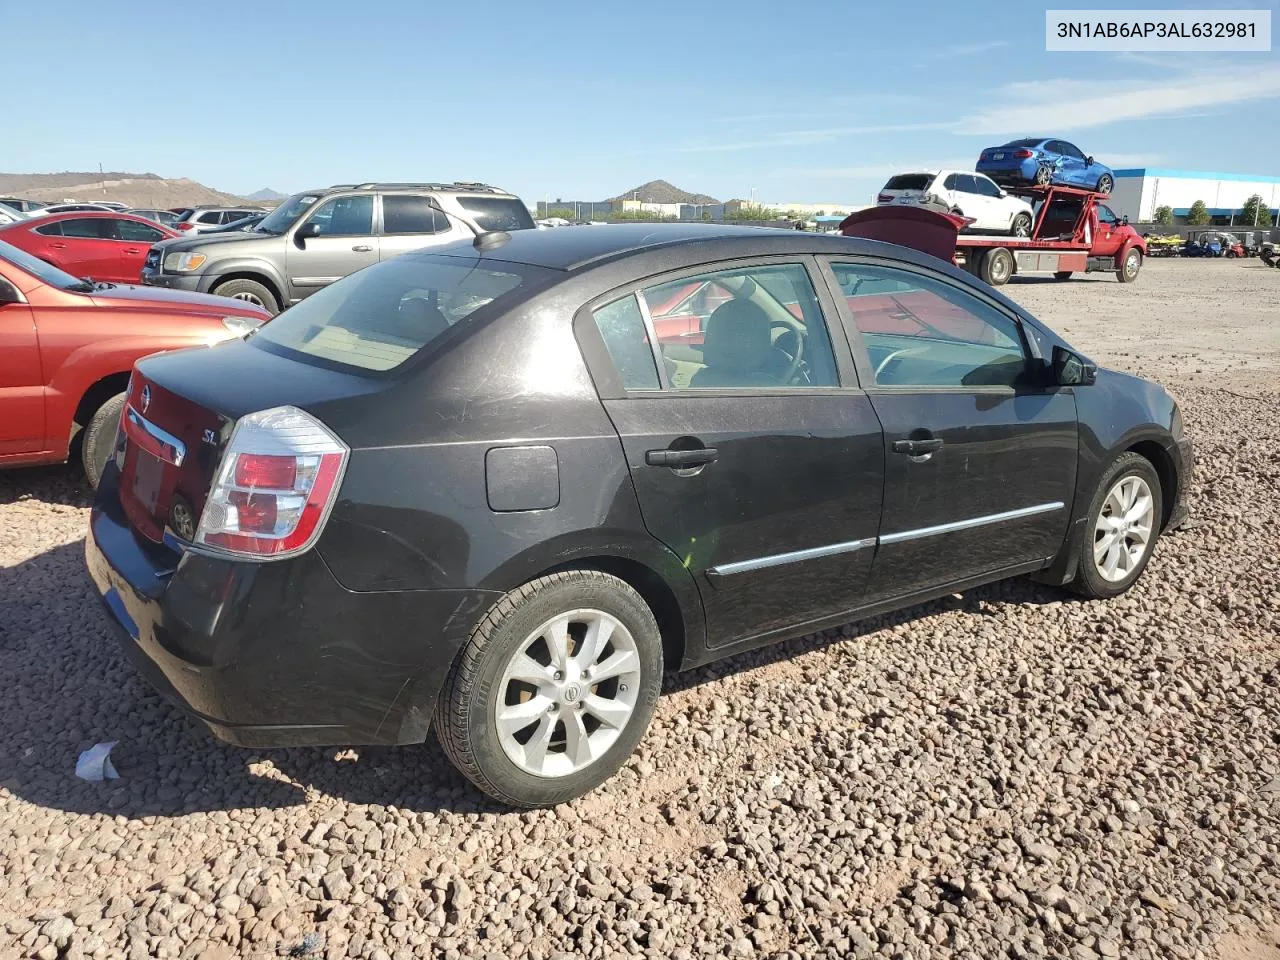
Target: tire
1128, 271
1021, 225
478, 686
1091, 580
1044, 175
1231, 254
1105, 183
997, 267
98, 443
1062, 275
250, 291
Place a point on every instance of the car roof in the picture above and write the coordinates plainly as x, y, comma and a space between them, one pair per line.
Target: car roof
83, 215
574, 248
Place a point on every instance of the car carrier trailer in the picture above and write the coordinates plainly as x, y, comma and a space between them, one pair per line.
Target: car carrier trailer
1073, 232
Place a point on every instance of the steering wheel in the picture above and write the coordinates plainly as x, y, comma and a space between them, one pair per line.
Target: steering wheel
794, 355
896, 355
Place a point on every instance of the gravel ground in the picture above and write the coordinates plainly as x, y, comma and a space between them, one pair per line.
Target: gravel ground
1007, 773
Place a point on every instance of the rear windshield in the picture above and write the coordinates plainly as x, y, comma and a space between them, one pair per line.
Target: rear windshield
1024, 143
497, 213
909, 181
380, 317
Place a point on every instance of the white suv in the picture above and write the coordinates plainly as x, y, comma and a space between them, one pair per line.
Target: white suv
965, 193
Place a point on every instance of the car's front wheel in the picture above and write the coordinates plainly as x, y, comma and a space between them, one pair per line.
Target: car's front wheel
250, 291
554, 689
1123, 524
1130, 266
1105, 183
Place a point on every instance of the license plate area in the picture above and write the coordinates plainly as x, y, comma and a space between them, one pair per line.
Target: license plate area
148, 472
997, 156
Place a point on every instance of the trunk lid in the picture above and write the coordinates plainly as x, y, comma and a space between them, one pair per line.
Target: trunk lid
179, 416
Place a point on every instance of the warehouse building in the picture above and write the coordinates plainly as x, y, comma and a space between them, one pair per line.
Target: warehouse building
1139, 192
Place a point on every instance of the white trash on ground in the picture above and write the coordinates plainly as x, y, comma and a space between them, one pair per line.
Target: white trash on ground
95, 763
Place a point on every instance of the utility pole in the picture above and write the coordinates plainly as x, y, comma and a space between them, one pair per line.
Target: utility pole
102, 178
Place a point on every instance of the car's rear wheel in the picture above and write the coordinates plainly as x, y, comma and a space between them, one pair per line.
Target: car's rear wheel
1130, 266
1021, 226
1062, 275
1123, 524
554, 689
1044, 174
1105, 183
250, 291
997, 266
99, 440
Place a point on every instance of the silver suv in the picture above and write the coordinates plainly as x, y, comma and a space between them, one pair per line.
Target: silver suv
319, 236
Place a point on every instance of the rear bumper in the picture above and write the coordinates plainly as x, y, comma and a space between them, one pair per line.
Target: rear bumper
1010, 172
278, 653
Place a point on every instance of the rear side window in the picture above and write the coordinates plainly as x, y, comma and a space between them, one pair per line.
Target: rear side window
909, 181
621, 326
410, 214
90, 228
50, 229
918, 331
497, 213
380, 317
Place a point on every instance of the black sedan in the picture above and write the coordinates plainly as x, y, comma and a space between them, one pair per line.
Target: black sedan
497, 487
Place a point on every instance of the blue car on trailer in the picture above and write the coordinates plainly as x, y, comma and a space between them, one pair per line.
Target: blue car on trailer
1044, 161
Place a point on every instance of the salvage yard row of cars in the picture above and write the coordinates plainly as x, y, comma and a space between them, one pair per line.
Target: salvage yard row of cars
491, 481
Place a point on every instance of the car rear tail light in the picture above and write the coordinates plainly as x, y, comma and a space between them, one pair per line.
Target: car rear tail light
884, 198
275, 487
182, 226
1023, 154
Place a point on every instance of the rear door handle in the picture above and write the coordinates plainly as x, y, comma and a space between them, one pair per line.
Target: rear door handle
361, 248
58, 246
917, 448
134, 251
681, 458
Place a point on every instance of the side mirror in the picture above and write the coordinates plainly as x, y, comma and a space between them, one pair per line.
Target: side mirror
1072, 370
306, 231
1089, 161
9, 293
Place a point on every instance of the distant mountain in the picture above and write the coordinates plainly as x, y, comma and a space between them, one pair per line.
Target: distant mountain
266, 193
145, 190
659, 191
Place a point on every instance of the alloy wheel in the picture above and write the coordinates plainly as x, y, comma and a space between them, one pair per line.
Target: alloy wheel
1123, 531
248, 298
567, 693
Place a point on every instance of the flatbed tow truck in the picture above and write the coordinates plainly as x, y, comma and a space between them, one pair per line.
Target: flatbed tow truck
1073, 232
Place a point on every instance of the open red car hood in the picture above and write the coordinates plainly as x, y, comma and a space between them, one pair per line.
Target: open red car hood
920, 229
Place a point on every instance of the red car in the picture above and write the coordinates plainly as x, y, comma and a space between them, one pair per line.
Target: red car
99, 246
67, 347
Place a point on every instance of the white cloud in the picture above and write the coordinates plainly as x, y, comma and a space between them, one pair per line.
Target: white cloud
967, 50
800, 138
1062, 105
876, 171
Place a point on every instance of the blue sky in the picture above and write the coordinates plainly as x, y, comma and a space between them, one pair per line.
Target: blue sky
802, 101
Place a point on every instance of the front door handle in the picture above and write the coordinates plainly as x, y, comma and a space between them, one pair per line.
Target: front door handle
361, 248
681, 458
917, 448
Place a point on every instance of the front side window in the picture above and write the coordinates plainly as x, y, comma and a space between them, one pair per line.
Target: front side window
985, 187
1070, 150
378, 318
921, 332
757, 327
136, 232
345, 216
1106, 216
411, 214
